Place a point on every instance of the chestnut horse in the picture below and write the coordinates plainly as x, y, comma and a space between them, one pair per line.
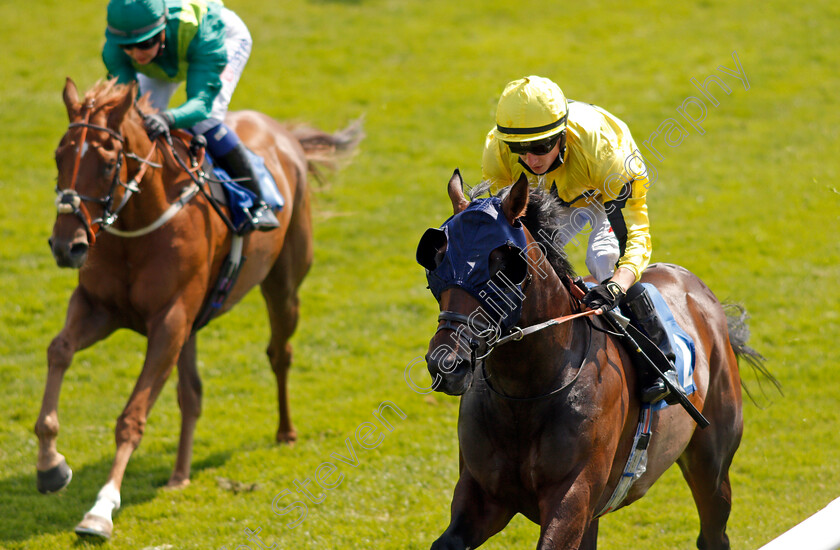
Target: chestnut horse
155, 280
547, 420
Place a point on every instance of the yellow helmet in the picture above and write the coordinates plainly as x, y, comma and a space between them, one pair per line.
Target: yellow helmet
531, 108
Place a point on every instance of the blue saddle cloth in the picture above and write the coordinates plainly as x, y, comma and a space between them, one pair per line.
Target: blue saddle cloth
239, 198
681, 343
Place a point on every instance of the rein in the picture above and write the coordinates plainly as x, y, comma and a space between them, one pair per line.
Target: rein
521, 333
450, 318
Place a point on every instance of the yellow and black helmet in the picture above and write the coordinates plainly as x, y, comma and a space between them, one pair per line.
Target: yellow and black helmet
531, 109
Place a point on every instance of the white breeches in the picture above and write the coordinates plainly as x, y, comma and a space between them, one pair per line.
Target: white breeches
602, 251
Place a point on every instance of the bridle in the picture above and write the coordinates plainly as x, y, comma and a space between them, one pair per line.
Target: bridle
69, 201
481, 348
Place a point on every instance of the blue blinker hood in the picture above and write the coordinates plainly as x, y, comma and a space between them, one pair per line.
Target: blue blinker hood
470, 237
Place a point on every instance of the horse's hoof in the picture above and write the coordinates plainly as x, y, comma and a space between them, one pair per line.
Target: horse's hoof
288, 438
95, 527
55, 479
177, 483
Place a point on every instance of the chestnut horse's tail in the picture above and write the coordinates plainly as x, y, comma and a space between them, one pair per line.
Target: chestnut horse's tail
328, 151
739, 334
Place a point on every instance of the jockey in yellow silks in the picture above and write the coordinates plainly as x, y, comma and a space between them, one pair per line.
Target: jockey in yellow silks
587, 159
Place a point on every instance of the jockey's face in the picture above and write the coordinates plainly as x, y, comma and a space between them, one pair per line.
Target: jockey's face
144, 52
539, 164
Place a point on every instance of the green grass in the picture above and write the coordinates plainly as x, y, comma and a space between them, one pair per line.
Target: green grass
751, 206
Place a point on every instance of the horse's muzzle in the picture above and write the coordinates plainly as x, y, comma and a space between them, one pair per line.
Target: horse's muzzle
453, 370
69, 254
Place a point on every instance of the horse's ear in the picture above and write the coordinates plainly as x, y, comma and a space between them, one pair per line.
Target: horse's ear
456, 192
71, 99
517, 200
116, 115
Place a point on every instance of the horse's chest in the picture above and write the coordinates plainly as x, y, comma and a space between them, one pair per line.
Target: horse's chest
512, 460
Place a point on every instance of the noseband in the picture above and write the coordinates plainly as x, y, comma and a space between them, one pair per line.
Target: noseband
450, 320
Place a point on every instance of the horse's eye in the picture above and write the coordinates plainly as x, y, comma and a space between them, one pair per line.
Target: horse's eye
507, 261
108, 168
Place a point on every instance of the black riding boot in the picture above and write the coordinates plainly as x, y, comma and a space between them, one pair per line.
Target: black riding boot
237, 165
638, 306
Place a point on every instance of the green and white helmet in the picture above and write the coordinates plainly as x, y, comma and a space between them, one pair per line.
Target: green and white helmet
132, 21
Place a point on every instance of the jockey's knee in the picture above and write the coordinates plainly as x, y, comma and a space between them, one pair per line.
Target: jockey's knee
601, 264
221, 139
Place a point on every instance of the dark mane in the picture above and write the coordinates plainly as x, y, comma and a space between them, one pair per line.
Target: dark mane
540, 219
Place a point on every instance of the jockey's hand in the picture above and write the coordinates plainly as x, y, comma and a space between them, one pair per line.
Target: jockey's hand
604, 296
158, 125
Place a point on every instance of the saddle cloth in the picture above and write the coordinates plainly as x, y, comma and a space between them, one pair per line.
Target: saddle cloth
681, 343
237, 197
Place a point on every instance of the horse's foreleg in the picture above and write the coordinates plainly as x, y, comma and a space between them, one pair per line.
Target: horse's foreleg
475, 517
189, 399
565, 519
85, 324
590, 538
166, 336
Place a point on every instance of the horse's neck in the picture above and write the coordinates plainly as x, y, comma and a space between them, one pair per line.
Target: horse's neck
532, 365
157, 186
547, 298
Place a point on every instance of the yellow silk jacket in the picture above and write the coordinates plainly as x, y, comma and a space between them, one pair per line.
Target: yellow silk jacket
602, 169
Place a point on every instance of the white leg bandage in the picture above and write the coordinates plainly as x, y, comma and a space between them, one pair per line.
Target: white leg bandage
107, 501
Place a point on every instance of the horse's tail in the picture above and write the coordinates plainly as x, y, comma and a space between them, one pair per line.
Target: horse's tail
328, 151
739, 334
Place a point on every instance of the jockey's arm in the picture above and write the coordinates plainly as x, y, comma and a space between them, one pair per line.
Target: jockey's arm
206, 59
494, 167
628, 216
624, 277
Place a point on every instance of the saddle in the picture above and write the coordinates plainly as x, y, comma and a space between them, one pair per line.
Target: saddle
226, 191
681, 342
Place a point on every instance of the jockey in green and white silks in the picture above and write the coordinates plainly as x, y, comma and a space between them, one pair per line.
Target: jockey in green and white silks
161, 43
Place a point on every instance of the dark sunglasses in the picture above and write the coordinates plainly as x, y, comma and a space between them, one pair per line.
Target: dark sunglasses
539, 147
147, 44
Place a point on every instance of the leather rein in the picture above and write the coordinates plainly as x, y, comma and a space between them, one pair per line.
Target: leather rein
453, 321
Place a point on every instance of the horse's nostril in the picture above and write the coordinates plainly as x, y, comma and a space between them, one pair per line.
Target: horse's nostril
50, 242
77, 249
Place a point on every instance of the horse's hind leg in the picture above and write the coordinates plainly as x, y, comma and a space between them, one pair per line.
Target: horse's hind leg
283, 315
280, 290
189, 399
705, 463
709, 482
85, 325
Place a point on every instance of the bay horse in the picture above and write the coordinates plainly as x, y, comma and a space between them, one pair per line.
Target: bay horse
547, 420
153, 277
